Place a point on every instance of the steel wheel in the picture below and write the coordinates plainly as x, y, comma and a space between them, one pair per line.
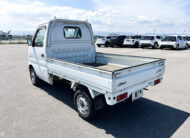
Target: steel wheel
34, 78
82, 105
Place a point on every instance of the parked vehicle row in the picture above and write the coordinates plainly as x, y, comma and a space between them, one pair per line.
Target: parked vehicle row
154, 41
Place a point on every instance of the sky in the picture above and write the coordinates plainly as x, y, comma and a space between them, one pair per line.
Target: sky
127, 16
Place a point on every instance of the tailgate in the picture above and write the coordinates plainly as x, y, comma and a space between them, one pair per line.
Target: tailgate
138, 77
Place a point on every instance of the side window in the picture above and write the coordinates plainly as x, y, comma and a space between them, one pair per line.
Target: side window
71, 32
39, 38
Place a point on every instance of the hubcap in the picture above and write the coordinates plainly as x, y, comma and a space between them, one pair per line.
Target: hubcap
32, 75
82, 105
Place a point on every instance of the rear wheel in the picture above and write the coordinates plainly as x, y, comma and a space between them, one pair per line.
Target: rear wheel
34, 78
106, 44
136, 44
84, 104
98, 45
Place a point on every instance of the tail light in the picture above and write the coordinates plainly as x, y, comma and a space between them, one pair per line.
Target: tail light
133, 40
156, 82
121, 97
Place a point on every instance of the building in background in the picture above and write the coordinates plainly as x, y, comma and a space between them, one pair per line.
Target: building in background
5, 35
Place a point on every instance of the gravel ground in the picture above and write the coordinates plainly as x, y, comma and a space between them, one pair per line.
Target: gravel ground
47, 111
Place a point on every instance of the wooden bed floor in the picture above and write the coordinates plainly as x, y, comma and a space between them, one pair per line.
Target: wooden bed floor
108, 67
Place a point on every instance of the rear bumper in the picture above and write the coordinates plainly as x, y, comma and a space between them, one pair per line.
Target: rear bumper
111, 99
113, 43
129, 45
100, 43
167, 46
145, 45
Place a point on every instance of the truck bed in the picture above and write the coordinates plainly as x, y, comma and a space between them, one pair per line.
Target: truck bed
110, 73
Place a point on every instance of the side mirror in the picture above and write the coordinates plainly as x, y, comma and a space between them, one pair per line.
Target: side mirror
29, 41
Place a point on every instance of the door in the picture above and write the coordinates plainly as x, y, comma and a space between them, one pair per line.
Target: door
36, 52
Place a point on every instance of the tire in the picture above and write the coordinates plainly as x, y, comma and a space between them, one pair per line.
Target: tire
84, 104
186, 46
106, 44
155, 46
34, 78
98, 45
136, 45
177, 47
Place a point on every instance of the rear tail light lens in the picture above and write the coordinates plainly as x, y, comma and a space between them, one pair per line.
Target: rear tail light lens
121, 97
156, 82
133, 40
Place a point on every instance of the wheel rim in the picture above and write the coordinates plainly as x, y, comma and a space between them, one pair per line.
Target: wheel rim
32, 75
82, 105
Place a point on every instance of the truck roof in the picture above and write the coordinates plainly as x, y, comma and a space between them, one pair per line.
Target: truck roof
66, 21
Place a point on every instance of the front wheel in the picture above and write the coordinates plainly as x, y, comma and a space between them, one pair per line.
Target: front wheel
84, 104
136, 45
186, 46
34, 78
106, 44
177, 47
155, 46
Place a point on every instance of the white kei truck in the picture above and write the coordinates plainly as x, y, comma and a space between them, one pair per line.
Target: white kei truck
65, 49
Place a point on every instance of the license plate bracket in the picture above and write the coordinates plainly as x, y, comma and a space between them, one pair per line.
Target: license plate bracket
136, 95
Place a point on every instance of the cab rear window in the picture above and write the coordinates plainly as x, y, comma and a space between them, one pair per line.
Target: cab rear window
71, 32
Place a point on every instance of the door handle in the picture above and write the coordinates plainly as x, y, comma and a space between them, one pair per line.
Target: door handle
42, 55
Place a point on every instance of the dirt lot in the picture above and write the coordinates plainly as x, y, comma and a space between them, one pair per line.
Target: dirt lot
47, 111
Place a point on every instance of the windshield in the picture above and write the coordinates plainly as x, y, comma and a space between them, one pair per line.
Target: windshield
147, 37
187, 38
114, 37
169, 38
128, 37
136, 37
122, 36
159, 37
108, 37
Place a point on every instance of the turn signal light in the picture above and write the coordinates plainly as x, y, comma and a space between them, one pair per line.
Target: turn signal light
121, 97
156, 82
